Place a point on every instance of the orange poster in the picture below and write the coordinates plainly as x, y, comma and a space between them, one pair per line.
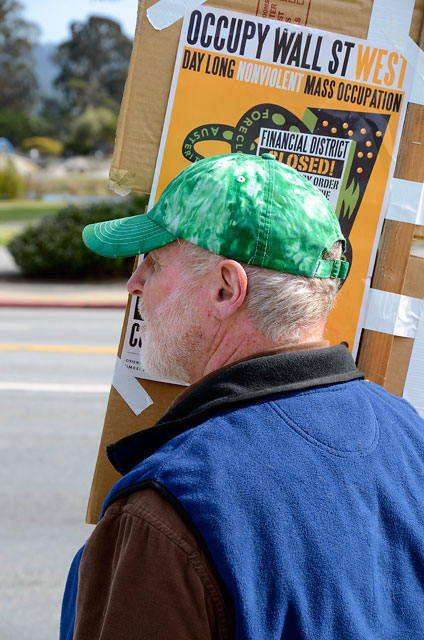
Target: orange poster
329, 105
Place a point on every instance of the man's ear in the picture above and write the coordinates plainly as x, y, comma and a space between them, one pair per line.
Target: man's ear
229, 288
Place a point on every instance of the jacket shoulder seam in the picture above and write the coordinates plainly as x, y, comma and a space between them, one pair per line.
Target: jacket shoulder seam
150, 518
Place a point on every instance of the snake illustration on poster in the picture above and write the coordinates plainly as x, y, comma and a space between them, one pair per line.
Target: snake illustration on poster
329, 105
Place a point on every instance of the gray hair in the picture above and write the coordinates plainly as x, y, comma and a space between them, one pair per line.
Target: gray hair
282, 306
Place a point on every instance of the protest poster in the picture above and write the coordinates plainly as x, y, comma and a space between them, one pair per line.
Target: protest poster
329, 105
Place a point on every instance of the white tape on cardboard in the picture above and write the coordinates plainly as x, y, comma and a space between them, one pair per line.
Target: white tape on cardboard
390, 22
388, 11
406, 202
414, 55
130, 389
392, 313
414, 383
165, 12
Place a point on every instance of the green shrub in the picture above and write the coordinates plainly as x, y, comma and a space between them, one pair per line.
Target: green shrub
11, 183
53, 247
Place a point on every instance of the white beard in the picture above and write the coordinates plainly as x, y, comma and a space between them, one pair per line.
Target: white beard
171, 337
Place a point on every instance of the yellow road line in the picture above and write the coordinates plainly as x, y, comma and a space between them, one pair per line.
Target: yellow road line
58, 348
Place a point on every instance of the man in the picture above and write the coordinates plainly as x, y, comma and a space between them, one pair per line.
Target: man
279, 497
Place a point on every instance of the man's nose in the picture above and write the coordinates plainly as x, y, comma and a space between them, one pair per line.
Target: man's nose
135, 284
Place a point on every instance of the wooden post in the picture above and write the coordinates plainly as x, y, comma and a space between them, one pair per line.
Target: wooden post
385, 358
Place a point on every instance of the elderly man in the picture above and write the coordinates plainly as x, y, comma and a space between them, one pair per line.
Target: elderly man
279, 496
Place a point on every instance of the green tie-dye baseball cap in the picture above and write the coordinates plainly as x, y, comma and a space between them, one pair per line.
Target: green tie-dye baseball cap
253, 209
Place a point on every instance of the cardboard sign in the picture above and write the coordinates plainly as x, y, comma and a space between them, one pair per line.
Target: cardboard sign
328, 105
141, 124
150, 74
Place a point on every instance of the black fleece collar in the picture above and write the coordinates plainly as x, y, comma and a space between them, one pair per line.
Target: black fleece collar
237, 384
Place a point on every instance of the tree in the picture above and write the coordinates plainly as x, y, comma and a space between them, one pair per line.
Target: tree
16, 125
54, 116
93, 130
18, 84
93, 65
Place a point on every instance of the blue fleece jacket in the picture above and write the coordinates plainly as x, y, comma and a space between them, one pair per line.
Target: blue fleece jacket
310, 503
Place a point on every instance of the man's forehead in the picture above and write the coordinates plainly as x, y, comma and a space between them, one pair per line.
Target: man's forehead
163, 252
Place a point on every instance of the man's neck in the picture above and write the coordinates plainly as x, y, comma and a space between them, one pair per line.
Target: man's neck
233, 348
242, 340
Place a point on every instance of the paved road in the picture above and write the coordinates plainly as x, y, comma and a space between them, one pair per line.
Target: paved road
48, 447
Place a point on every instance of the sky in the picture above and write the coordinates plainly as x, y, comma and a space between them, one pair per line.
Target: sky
54, 16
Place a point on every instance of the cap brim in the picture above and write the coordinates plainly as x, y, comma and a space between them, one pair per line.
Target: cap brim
126, 237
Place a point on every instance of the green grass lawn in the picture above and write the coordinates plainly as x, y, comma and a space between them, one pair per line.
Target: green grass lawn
26, 210
16, 214
6, 233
